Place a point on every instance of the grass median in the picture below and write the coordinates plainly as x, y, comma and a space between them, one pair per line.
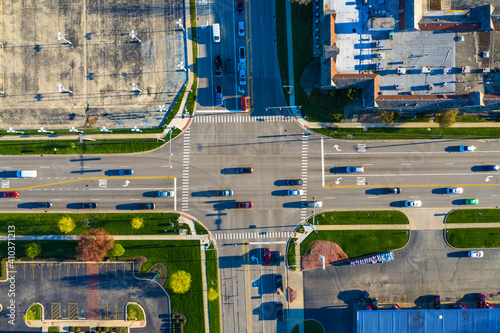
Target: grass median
474, 216
409, 133
176, 255
360, 217
473, 238
114, 223
213, 282
356, 243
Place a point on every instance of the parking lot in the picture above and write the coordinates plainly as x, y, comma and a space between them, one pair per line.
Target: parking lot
81, 291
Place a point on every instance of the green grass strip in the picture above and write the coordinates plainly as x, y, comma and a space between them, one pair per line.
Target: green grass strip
356, 243
473, 238
213, 282
292, 262
410, 133
115, 224
361, 217
474, 216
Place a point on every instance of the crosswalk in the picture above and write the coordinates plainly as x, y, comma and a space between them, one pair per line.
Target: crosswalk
252, 235
185, 170
240, 119
305, 147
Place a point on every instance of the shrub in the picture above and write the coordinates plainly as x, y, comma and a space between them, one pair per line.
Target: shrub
117, 250
66, 224
213, 294
137, 223
180, 282
33, 250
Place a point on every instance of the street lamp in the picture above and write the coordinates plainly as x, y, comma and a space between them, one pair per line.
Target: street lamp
133, 35
41, 130
10, 130
61, 89
170, 145
60, 37
135, 129
75, 130
104, 129
179, 24
135, 88
181, 66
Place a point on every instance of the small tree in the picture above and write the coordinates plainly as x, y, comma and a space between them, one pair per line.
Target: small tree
117, 250
387, 117
94, 245
66, 224
33, 250
447, 119
212, 294
137, 223
180, 282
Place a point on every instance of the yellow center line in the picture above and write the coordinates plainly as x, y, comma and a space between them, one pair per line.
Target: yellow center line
418, 185
89, 178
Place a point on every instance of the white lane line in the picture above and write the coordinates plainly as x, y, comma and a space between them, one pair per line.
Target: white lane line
322, 164
367, 163
372, 197
330, 197
43, 167
420, 174
405, 163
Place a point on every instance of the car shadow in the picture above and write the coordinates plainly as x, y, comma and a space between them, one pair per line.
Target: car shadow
206, 194
74, 205
452, 149
400, 203
8, 174
27, 205
280, 193
295, 204
375, 191
440, 191
460, 202
222, 205
229, 171
338, 170
458, 254
150, 194
281, 182
350, 296
477, 168
130, 206
266, 311
112, 172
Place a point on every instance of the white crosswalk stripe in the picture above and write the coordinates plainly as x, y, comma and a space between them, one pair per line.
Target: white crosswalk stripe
240, 119
252, 235
185, 172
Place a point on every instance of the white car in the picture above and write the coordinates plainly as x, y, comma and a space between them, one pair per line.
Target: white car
295, 192
413, 203
166, 194
314, 204
454, 190
241, 29
467, 148
476, 254
243, 79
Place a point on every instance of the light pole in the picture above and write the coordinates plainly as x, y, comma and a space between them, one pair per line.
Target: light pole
75, 130
61, 89
179, 24
135, 88
41, 130
133, 35
170, 147
10, 130
60, 37
104, 129
135, 129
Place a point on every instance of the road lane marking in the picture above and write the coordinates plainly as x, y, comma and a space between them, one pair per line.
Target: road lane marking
409, 186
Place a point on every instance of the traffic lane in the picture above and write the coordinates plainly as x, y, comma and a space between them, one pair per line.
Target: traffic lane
426, 266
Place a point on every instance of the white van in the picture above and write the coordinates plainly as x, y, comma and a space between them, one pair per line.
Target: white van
26, 173
216, 32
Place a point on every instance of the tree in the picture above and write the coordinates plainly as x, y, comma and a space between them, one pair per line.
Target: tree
66, 224
212, 294
94, 245
447, 119
387, 117
137, 223
33, 250
180, 282
117, 250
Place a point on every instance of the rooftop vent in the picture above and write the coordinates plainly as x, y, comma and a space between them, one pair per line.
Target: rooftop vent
486, 70
465, 69
379, 43
486, 54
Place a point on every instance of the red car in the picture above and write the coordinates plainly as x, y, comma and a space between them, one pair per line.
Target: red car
240, 6
247, 204
267, 257
9, 194
481, 301
244, 103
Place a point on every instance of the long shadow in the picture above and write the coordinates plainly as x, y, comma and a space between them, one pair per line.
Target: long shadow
439, 191
206, 194
82, 171
452, 149
280, 193
150, 194
400, 203
8, 174
28, 205
229, 204
295, 204
229, 171
130, 206
342, 169
281, 182
458, 254
375, 191
266, 311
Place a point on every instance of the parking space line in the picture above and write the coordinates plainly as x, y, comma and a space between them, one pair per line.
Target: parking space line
55, 311
41, 271
72, 311
33, 270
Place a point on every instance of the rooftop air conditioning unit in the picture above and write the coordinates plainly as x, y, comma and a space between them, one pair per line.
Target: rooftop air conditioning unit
486, 54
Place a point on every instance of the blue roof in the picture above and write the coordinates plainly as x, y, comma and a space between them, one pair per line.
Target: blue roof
429, 321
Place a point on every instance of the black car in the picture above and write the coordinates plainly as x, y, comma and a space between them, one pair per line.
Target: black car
279, 311
43, 204
89, 205
279, 283
147, 206
392, 190
294, 182
277, 257
374, 303
364, 297
244, 170
240, 6
218, 65
437, 302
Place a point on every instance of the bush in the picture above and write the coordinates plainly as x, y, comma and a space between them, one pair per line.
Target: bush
66, 224
137, 223
213, 294
117, 250
180, 282
33, 250
447, 119
387, 117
